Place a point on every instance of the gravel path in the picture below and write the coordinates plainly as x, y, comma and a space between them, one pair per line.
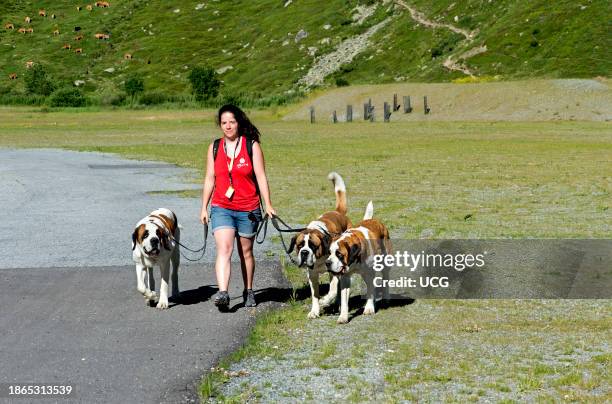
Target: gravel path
70, 209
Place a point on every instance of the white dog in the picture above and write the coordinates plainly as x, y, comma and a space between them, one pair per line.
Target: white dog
155, 242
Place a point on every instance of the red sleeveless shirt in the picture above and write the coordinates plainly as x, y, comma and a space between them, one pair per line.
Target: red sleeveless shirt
245, 196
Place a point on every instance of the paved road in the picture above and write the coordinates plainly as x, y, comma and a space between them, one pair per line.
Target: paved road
70, 311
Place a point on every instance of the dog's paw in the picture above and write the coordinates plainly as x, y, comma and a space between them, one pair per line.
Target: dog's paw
162, 305
313, 314
368, 310
151, 295
342, 319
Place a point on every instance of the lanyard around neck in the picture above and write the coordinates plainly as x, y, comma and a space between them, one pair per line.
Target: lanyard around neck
231, 163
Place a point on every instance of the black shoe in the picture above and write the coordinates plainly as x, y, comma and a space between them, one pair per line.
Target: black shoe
222, 300
249, 298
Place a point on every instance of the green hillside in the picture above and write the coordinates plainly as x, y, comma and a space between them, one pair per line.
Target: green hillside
257, 47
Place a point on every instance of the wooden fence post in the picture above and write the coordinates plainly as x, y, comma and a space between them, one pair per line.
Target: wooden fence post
312, 115
396, 106
407, 107
334, 117
425, 106
386, 112
349, 113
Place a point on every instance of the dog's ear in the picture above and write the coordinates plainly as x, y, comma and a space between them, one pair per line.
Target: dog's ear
325, 242
134, 235
354, 254
165, 240
292, 244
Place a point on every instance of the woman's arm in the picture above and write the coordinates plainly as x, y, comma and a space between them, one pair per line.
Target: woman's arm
209, 184
260, 172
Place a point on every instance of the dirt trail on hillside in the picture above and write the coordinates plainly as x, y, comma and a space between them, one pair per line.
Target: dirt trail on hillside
420, 17
451, 63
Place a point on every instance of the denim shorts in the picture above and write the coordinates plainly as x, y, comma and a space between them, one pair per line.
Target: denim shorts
245, 223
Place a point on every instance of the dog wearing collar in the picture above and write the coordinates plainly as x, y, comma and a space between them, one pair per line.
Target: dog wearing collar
352, 252
312, 245
155, 243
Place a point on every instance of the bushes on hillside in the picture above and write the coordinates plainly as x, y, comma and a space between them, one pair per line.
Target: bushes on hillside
134, 85
37, 82
205, 82
67, 97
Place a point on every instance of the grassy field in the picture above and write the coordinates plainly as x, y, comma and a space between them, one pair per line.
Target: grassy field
516, 179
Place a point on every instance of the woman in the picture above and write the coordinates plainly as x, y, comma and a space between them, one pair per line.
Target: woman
233, 181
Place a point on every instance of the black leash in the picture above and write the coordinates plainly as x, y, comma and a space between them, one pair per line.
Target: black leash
263, 225
203, 249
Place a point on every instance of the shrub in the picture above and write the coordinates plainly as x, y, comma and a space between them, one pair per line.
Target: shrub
205, 82
37, 82
134, 85
154, 98
67, 97
341, 82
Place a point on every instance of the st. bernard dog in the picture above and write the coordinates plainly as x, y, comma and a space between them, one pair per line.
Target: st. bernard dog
155, 242
352, 252
312, 245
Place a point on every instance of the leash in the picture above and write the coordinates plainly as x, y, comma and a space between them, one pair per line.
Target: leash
263, 225
203, 249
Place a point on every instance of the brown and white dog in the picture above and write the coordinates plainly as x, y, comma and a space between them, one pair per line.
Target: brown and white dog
155, 242
353, 252
312, 245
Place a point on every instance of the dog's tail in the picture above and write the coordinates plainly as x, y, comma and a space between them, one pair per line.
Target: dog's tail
340, 190
369, 212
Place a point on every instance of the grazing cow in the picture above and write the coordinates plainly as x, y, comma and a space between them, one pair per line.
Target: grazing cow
102, 36
13, 76
77, 29
30, 30
9, 26
27, 20
56, 32
42, 12
79, 8
78, 50
22, 30
89, 7
78, 37
127, 56
53, 16
67, 46
102, 4
29, 64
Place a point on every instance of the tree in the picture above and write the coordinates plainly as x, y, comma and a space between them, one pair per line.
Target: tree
205, 82
37, 82
134, 85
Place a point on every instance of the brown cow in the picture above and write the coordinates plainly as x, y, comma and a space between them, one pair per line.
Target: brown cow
102, 4
9, 26
13, 76
53, 16
42, 12
79, 8
102, 36
127, 56
78, 50
89, 7
78, 37
30, 30
22, 30
29, 64
56, 32
27, 20
67, 46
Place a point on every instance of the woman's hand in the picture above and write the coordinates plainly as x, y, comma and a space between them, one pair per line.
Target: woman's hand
270, 211
204, 216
